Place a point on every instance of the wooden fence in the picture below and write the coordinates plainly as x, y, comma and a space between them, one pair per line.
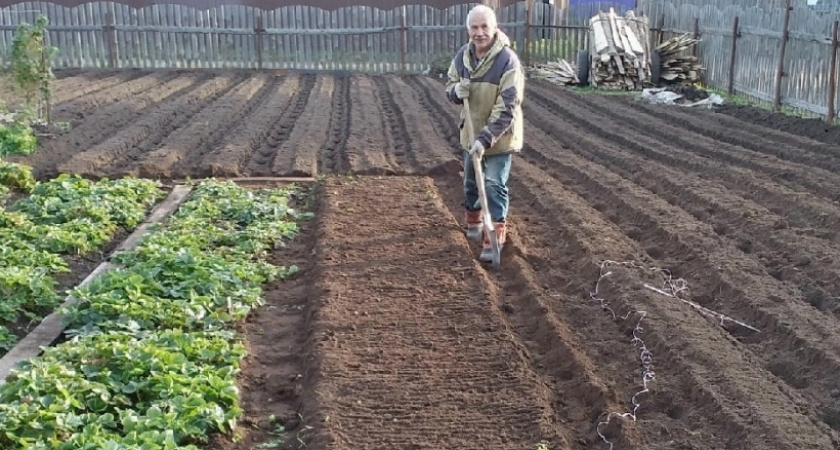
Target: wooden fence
774, 57
412, 38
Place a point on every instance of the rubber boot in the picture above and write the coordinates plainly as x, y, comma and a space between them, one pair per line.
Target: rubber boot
474, 224
487, 248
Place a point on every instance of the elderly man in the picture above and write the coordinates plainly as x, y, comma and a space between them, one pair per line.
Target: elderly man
488, 73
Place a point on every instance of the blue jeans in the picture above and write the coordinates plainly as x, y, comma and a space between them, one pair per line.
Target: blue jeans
496, 172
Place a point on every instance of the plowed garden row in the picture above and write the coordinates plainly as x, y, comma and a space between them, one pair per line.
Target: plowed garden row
394, 336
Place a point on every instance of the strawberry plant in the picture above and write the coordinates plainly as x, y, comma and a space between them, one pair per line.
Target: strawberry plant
200, 271
17, 138
16, 176
145, 388
152, 355
66, 215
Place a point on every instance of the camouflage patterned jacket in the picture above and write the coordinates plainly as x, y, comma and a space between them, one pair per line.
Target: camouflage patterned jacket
497, 83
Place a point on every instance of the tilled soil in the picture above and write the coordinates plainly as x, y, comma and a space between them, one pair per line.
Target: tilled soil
814, 128
415, 350
402, 340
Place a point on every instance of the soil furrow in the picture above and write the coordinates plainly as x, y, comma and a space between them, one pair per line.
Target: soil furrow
264, 159
394, 122
558, 258
728, 129
76, 110
201, 133
104, 123
76, 87
429, 148
675, 412
820, 182
800, 209
547, 343
419, 370
367, 144
142, 134
230, 159
550, 327
410, 342
693, 252
278, 339
302, 131
811, 128
683, 404
439, 111
757, 410
812, 263
333, 157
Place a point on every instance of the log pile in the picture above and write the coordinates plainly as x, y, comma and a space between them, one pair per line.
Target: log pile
560, 72
619, 51
676, 68
620, 57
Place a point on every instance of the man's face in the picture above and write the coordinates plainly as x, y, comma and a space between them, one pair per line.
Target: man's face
481, 32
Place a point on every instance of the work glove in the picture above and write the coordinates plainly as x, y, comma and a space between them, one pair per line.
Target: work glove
462, 89
477, 149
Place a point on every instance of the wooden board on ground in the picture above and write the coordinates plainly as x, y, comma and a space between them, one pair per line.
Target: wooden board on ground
53, 325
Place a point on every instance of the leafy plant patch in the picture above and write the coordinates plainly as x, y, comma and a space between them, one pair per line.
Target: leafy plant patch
152, 358
123, 390
17, 139
16, 176
66, 215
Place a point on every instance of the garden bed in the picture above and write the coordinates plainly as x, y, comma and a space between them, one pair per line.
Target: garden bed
153, 348
55, 232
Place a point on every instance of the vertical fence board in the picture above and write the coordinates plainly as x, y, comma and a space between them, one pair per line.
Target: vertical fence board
804, 84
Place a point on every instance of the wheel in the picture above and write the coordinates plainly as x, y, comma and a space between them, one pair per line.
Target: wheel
655, 67
583, 66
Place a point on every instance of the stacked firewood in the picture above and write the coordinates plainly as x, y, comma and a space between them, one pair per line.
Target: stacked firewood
619, 50
560, 72
620, 57
676, 67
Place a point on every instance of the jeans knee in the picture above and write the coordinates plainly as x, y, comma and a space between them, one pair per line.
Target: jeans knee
492, 184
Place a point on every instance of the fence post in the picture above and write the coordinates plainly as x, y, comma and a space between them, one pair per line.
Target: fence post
735, 36
259, 30
661, 34
832, 76
404, 28
780, 71
696, 36
527, 49
110, 37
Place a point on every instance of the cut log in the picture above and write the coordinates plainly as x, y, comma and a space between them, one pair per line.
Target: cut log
620, 56
677, 66
560, 72
622, 61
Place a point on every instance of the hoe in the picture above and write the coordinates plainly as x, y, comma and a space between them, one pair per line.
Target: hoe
482, 195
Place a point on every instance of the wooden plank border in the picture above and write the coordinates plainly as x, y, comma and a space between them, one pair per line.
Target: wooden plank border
53, 325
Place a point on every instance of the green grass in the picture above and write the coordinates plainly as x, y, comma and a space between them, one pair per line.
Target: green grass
746, 100
735, 99
588, 89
